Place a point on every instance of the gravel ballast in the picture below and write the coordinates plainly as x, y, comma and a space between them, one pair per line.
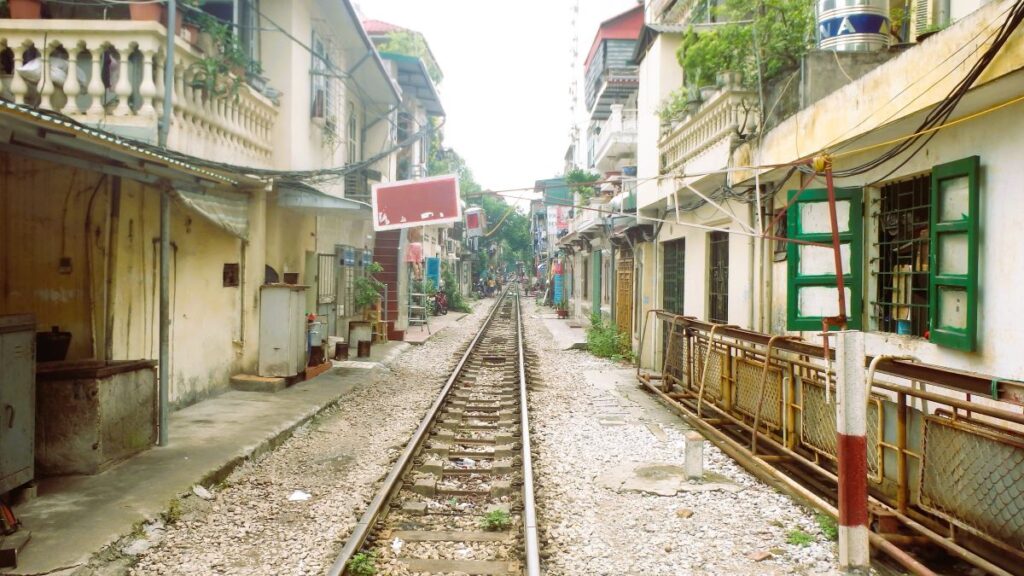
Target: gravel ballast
252, 527
582, 432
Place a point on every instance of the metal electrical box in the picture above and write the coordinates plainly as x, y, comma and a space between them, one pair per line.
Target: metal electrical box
17, 400
282, 329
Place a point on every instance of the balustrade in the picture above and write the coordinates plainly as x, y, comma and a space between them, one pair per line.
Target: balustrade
721, 117
111, 73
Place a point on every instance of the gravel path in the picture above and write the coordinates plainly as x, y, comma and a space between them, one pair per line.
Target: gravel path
583, 430
251, 527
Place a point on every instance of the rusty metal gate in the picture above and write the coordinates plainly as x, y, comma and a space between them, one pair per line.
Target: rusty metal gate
624, 296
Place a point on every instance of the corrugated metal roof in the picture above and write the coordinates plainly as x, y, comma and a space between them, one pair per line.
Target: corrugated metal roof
414, 79
649, 33
95, 145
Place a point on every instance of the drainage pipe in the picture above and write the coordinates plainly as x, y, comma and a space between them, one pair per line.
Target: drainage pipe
113, 227
165, 229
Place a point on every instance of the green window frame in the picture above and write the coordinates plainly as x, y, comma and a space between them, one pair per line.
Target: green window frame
852, 236
953, 236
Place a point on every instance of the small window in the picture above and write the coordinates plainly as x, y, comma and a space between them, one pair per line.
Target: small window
780, 234
322, 104
718, 274
954, 236
902, 295
353, 132
812, 281
231, 275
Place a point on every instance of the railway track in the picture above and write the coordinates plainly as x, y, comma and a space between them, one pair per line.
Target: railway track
460, 496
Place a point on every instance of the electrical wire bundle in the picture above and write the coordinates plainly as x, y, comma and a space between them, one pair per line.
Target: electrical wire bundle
943, 110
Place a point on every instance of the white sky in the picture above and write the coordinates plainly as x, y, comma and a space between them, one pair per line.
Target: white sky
506, 77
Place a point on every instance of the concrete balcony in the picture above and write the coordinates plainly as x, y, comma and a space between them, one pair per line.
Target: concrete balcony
117, 85
616, 145
702, 141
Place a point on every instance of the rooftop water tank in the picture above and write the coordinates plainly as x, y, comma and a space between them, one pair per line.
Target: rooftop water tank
853, 25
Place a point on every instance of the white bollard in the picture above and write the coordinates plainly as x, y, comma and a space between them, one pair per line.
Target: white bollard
694, 456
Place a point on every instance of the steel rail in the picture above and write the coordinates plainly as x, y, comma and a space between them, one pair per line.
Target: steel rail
532, 549
364, 527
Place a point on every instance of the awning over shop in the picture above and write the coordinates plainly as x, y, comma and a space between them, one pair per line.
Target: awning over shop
226, 210
301, 196
415, 81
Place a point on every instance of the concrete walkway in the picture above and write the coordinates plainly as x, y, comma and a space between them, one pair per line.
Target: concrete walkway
419, 334
566, 332
76, 516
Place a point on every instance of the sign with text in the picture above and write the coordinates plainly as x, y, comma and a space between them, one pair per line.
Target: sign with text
412, 203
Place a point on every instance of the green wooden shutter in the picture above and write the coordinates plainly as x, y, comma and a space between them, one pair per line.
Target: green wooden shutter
953, 246
811, 290
595, 266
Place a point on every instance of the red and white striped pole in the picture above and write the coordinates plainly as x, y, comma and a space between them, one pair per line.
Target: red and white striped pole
852, 451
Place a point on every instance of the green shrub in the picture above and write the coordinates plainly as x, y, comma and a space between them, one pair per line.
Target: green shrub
496, 521
798, 537
451, 290
605, 341
363, 564
366, 288
828, 526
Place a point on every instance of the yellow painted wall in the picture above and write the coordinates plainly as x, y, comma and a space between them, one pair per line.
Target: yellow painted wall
206, 332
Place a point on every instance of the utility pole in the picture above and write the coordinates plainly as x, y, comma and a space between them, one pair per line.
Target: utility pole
165, 228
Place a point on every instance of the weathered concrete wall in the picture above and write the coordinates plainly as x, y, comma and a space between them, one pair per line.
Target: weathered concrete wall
86, 424
999, 332
46, 214
208, 333
660, 74
821, 73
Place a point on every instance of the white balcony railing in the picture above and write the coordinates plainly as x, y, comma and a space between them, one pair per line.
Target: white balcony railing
723, 116
118, 83
617, 139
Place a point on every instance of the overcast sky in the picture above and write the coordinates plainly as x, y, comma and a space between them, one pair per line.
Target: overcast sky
506, 77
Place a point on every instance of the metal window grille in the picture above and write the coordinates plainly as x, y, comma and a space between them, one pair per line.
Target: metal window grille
346, 295
325, 280
719, 273
902, 292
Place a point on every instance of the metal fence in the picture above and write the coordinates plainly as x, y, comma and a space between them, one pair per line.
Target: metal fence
943, 462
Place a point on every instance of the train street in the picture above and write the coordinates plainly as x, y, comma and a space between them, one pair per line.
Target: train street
603, 449
532, 288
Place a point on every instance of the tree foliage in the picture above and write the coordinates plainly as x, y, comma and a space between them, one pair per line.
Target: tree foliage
581, 182
412, 43
513, 235
781, 30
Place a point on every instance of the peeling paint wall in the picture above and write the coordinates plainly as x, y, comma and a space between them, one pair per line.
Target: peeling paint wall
207, 338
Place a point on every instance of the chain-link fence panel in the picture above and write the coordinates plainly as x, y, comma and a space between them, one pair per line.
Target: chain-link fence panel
749, 390
818, 425
973, 476
713, 377
675, 356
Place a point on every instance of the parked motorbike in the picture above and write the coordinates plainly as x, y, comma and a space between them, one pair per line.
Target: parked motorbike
440, 304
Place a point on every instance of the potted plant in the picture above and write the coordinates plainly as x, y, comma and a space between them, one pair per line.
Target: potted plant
562, 309
156, 12
220, 71
25, 9
366, 293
